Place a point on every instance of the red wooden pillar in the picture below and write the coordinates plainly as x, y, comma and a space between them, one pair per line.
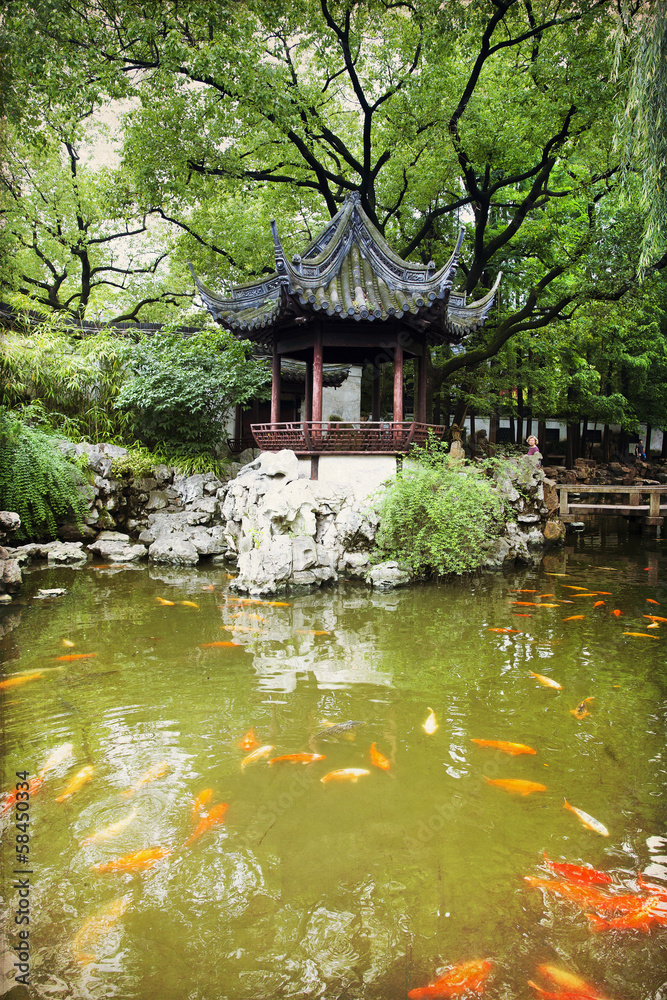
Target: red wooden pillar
275, 387
308, 400
398, 384
420, 409
317, 377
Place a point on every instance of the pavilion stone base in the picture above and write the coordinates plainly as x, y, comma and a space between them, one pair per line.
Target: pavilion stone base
360, 475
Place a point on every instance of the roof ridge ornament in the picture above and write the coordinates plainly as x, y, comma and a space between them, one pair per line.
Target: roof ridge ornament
281, 258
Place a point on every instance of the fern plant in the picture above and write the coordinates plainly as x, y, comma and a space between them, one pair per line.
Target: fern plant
38, 481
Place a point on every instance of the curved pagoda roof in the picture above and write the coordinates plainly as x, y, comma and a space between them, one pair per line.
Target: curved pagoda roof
350, 273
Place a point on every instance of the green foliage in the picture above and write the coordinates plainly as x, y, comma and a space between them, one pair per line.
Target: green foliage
439, 520
179, 389
69, 383
37, 480
140, 462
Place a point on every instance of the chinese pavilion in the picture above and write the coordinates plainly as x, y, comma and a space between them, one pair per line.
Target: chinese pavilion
348, 299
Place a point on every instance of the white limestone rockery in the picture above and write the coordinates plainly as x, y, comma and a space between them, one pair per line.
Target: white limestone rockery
275, 526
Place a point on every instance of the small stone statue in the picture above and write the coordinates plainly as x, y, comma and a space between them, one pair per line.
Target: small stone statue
456, 452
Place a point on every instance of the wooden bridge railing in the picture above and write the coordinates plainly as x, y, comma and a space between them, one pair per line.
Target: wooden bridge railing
359, 437
652, 512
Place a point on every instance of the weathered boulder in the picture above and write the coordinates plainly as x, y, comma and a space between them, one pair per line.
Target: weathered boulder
10, 571
173, 549
65, 553
388, 574
116, 546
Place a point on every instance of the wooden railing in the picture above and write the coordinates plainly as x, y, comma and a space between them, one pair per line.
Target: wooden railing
362, 437
652, 511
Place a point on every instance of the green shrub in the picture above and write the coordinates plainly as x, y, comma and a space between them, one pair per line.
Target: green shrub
439, 520
38, 481
140, 462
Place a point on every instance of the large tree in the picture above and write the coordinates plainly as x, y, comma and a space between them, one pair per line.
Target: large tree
497, 115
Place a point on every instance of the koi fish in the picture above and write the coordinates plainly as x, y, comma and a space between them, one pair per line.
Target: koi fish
167, 604
67, 642
310, 631
588, 821
218, 645
256, 755
215, 816
275, 604
603, 593
525, 604
430, 725
653, 625
517, 614
567, 995
581, 874
583, 896
78, 781
11, 797
249, 741
378, 759
200, 801
512, 748
557, 574
580, 712
570, 586
463, 978
505, 630
523, 591
152, 774
545, 595
546, 681
641, 635
639, 919
516, 786
139, 861
655, 618
210, 586
651, 601
617, 612
189, 604
344, 729
599, 604
654, 890
298, 758
570, 981
70, 657
11, 682
575, 618
344, 774
110, 831
97, 927
594, 594
548, 605
58, 756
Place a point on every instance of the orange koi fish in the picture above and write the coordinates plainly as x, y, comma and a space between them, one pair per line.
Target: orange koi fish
649, 887
200, 801
431, 724
580, 712
639, 919
546, 681
518, 614
58, 756
345, 774
545, 595
167, 604
514, 591
11, 797
78, 781
586, 897
603, 593
208, 587
516, 786
588, 821
581, 874
298, 758
651, 601
594, 594
11, 682
110, 831
152, 774
464, 978
189, 604
617, 612
310, 631
219, 645
641, 635
575, 618
275, 604
568, 980
562, 995
599, 604
570, 586
548, 605
215, 816
70, 657
512, 748
526, 604
140, 861
378, 759
655, 618
507, 631
249, 741
88, 937
256, 755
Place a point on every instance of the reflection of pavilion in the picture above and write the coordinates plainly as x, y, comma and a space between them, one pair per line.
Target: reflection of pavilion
348, 299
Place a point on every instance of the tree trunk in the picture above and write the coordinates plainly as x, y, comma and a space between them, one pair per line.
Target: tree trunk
460, 412
493, 428
605, 443
647, 449
512, 430
584, 430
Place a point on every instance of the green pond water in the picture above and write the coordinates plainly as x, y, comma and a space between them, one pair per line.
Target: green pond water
363, 889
